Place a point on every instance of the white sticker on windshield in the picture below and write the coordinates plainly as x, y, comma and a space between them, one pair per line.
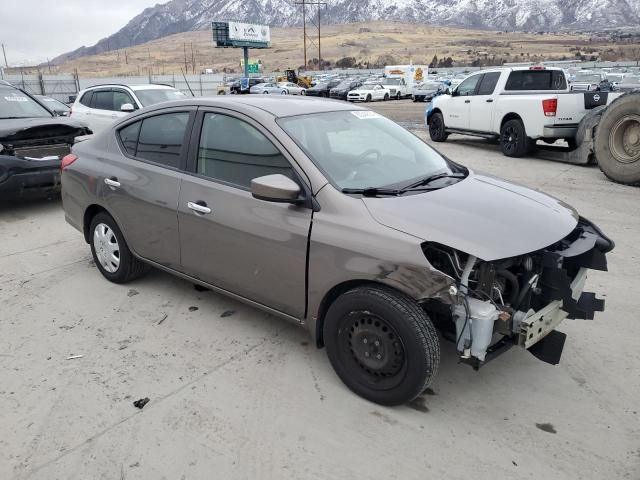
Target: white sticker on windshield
16, 99
364, 114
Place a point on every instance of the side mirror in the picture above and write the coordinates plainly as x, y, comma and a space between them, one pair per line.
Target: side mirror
127, 107
60, 113
448, 91
275, 188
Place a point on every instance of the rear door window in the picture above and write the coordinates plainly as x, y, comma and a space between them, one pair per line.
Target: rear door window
86, 99
488, 83
102, 100
536, 80
158, 139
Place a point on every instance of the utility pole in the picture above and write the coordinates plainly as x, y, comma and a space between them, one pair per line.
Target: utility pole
306, 38
186, 68
6, 64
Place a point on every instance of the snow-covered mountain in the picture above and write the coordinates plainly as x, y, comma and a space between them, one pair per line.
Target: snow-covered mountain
184, 15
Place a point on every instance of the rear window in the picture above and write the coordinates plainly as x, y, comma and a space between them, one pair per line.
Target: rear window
536, 80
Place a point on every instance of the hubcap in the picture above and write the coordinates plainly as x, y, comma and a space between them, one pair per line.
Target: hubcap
374, 346
509, 139
106, 247
624, 139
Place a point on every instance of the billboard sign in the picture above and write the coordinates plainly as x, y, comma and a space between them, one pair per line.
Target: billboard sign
249, 32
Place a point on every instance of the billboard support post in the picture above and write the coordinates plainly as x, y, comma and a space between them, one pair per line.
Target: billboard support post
246, 61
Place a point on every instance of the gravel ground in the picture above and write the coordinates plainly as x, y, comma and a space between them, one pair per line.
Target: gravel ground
237, 394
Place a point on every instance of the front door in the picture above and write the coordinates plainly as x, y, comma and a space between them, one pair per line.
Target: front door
141, 183
253, 248
483, 102
457, 112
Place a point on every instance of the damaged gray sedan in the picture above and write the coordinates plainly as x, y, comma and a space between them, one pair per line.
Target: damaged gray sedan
337, 219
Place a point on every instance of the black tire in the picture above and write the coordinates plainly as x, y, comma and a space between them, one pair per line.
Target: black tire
617, 140
368, 99
386, 97
129, 267
437, 129
398, 96
414, 98
382, 344
513, 139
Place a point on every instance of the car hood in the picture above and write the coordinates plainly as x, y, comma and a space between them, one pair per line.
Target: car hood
481, 215
20, 129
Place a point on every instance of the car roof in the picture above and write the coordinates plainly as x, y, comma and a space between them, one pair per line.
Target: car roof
145, 86
277, 106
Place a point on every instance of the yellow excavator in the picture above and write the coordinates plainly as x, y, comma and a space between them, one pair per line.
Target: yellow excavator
290, 75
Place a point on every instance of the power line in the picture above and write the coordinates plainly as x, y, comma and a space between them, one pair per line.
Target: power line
319, 4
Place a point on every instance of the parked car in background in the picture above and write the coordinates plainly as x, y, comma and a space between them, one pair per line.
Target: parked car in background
32, 143
243, 85
56, 107
629, 82
322, 89
267, 88
292, 88
341, 90
397, 87
369, 92
587, 82
223, 192
425, 91
99, 106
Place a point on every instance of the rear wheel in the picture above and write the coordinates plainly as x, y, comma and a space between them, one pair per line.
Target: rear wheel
382, 344
265, 93
513, 139
111, 253
617, 140
437, 130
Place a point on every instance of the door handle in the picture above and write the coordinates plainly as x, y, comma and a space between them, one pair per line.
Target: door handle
467, 101
199, 207
112, 182
490, 100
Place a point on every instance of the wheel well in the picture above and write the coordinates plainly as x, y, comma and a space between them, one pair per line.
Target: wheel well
509, 116
331, 296
432, 112
89, 213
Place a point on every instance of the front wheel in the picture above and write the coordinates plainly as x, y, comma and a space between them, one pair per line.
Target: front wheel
398, 96
111, 253
283, 92
386, 97
382, 344
513, 139
368, 99
437, 130
303, 92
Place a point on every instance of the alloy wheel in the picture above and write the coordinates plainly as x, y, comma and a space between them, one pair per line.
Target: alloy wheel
106, 247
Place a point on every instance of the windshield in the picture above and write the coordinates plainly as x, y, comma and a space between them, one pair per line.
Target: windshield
430, 86
393, 81
153, 96
614, 77
54, 104
362, 149
588, 78
345, 84
15, 104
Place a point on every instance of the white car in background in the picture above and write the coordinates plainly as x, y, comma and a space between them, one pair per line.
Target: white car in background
292, 88
369, 92
266, 88
101, 105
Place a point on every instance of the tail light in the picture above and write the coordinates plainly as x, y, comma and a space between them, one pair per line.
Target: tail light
550, 107
67, 160
537, 67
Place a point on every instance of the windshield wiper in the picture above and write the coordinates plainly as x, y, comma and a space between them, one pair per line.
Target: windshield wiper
371, 191
430, 179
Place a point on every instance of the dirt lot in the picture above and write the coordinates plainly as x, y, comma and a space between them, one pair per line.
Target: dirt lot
236, 394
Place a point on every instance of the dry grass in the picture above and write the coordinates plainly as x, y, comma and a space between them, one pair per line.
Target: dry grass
365, 42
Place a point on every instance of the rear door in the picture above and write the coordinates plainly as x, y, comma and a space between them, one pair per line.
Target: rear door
459, 105
101, 114
253, 248
142, 176
482, 107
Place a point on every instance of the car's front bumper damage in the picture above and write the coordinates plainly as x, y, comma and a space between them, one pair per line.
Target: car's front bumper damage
520, 301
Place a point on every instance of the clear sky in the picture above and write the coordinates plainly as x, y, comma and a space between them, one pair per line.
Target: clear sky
34, 30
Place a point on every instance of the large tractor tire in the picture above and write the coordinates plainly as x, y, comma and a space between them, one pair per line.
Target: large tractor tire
617, 140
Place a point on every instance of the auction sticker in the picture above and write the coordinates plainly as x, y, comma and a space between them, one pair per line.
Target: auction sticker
16, 99
365, 114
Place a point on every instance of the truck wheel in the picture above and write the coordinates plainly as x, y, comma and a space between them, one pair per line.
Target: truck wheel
437, 130
513, 139
617, 140
386, 97
111, 253
382, 344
